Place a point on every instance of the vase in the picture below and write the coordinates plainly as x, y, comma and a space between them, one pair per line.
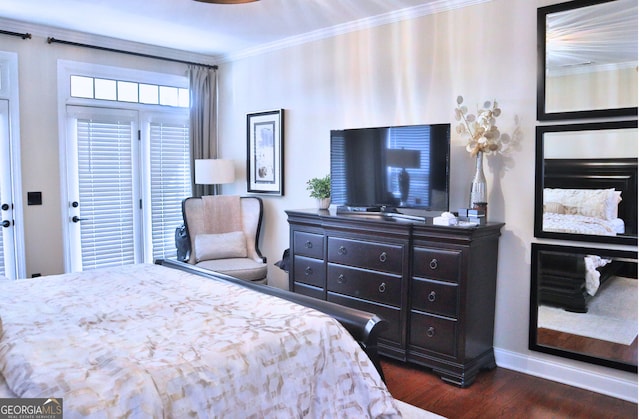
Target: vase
478, 195
323, 203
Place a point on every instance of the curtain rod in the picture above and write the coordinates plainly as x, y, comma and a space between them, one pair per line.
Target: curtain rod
21, 35
51, 40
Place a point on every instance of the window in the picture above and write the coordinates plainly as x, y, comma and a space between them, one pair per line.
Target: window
128, 91
170, 183
127, 166
106, 191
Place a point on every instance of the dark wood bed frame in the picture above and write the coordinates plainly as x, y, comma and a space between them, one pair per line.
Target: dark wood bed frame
364, 327
561, 280
562, 277
620, 174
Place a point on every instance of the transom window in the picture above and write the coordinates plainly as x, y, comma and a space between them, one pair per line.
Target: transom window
127, 91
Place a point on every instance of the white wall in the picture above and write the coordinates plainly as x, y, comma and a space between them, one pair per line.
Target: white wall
408, 73
37, 68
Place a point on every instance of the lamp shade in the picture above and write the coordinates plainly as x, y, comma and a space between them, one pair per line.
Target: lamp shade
406, 159
214, 171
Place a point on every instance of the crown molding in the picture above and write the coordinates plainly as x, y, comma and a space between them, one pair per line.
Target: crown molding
428, 8
425, 9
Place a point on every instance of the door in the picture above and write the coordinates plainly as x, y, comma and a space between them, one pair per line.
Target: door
103, 187
7, 226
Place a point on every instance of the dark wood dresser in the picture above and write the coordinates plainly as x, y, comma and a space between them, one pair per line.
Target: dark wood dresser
434, 285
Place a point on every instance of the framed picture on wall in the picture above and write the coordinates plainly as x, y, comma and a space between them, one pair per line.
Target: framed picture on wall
265, 152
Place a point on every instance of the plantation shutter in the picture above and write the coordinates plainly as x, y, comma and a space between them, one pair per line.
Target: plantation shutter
170, 183
106, 191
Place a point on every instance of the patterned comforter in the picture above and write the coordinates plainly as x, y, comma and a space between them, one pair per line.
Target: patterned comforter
580, 224
150, 341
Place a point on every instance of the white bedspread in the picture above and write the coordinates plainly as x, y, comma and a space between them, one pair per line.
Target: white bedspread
150, 341
581, 224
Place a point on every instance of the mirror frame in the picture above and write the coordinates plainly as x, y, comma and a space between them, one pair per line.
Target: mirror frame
538, 231
536, 248
542, 113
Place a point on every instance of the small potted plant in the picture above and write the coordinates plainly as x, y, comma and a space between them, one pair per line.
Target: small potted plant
320, 188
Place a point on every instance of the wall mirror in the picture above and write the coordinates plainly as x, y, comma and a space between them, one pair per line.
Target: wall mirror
584, 304
586, 186
588, 59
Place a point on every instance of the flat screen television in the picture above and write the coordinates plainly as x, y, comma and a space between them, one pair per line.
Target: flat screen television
391, 167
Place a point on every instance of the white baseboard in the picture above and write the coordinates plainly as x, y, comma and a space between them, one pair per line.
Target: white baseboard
614, 386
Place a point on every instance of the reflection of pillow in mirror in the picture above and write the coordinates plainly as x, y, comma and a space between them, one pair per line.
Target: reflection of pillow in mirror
572, 210
598, 203
554, 207
220, 246
611, 206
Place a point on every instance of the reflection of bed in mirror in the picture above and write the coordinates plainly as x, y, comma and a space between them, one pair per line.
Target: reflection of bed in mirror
591, 196
584, 304
570, 280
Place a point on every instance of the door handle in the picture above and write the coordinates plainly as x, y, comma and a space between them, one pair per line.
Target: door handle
77, 219
6, 223
5, 207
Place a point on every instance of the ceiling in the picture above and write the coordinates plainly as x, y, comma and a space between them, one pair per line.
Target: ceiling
212, 29
593, 36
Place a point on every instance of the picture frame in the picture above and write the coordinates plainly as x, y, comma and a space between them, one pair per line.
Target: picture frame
265, 152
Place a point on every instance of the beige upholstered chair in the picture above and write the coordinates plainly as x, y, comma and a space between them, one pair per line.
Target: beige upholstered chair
224, 232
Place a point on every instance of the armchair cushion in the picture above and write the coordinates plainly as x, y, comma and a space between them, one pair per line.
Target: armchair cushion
220, 246
242, 268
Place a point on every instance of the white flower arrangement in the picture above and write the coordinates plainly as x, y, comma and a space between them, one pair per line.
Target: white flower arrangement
483, 134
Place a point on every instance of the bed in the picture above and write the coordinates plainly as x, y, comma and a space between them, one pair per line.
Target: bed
590, 199
590, 196
569, 280
170, 340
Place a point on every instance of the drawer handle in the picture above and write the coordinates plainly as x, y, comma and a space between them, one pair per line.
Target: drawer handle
383, 257
342, 250
431, 297
433, 264
308, 271
431, 331
308, 244
341, 279
382, 288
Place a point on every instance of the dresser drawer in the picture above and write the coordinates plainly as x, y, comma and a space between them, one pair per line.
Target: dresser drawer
433, 333
437, 263
308, 290
435, 297
368, 285
378, 256
308, 244
391, 314
308, 270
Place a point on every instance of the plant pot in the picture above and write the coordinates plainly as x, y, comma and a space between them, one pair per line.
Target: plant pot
323, 203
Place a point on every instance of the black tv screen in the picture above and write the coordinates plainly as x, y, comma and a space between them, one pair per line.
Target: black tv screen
394, 167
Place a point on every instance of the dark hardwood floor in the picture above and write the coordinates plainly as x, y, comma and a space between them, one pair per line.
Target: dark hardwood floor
500, 393
594, 347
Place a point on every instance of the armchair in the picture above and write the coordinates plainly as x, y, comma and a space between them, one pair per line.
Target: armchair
224, 232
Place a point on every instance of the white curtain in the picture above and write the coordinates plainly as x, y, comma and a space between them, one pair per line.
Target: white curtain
203, 89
